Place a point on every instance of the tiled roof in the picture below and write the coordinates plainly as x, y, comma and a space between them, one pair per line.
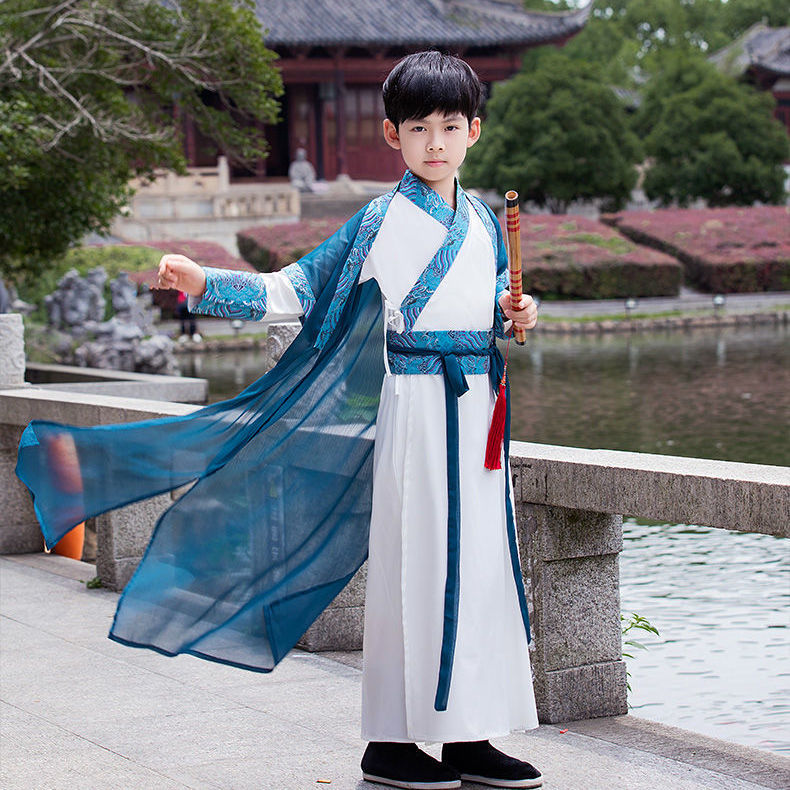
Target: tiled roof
412, 23
761, 46
771, 50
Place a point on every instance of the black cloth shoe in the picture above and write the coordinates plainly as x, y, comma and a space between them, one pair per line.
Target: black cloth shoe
404, 765
479, 761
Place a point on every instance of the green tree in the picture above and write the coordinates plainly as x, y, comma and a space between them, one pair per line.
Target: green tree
739, 15
709, 137
91, 93
622, 36
555, 134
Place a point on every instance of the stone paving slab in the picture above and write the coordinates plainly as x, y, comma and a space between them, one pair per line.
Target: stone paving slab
80, 711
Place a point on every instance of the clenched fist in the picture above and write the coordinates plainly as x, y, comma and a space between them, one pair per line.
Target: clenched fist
524, 315
181, 273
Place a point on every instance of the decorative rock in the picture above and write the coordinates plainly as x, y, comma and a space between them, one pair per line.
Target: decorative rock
77, 300
155, 355
96, 279
124, 293
77, 307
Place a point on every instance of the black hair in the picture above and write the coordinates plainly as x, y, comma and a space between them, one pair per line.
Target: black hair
428, 82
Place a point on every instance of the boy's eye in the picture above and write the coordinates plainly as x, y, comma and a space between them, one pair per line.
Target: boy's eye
418, 128
451, 127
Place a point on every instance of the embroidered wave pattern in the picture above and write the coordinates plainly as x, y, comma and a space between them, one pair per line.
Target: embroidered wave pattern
425, 198
301, 285
368, 229
471, 347
414, 301
233, 294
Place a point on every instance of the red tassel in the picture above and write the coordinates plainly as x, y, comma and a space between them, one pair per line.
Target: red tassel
496, 434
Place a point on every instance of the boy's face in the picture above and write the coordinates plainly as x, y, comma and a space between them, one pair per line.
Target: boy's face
434, 147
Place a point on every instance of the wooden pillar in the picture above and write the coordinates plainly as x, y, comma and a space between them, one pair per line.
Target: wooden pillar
317, 143
340, 115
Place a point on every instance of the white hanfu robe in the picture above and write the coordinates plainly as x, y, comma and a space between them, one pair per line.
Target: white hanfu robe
491, 690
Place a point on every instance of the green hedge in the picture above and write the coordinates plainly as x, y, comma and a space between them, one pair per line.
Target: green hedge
608, 279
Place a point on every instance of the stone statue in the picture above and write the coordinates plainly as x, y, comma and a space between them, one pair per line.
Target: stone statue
301, 173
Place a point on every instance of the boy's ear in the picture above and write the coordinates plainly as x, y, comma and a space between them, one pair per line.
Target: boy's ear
391, 134
474, 132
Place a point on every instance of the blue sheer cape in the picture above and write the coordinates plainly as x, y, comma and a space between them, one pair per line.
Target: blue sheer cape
276, 521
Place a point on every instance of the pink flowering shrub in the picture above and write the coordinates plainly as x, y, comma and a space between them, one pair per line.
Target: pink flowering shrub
271, 247
561, 255
206, 253
723, 250
571, 256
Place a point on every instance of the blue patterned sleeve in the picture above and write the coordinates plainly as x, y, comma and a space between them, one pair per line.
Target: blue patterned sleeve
235, 294
295, 273
232, 294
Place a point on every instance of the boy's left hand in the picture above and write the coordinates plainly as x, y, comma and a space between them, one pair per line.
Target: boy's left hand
526, 313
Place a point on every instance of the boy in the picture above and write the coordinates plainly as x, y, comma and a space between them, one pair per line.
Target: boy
431, 104
445, 645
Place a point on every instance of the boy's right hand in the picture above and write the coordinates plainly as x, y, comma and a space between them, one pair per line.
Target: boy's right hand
181, 273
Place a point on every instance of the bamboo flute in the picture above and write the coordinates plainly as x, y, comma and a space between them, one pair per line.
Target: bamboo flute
513, 225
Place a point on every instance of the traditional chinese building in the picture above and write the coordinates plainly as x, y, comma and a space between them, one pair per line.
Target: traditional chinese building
335, 54
761, 56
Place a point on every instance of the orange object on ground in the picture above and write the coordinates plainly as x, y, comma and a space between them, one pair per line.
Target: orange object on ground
66, 468
72, 543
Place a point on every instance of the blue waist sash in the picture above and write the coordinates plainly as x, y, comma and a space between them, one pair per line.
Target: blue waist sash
424, 352
454, 354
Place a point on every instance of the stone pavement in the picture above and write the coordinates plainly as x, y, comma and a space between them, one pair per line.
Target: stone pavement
79, 711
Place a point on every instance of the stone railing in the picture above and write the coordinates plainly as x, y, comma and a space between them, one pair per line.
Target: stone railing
126, 384
204, 205
568, 506
195, 181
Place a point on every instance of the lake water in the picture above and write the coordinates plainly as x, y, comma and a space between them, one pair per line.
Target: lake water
721, 664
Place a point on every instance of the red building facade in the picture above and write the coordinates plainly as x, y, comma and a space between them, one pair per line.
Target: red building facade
335, 54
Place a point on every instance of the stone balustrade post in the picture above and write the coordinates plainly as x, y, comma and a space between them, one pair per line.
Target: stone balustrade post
223, 172
121, 538
569, 558
21, 533
12, 351
340, 625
